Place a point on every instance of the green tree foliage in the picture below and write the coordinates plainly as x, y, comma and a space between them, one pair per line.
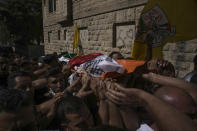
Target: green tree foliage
23, 20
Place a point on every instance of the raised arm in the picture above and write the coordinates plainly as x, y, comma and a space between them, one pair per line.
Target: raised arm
173, 82
166, 117
41, 71
39, 83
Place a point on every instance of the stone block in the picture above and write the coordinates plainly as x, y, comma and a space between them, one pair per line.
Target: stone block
138, 11
190, 47
131, 14
180, 57
166, 47
189, 57
166, 55
172, 46
127, 51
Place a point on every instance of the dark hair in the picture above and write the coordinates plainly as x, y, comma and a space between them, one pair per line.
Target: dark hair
13, 99
115, 52
52, 72
3, 79
34, 58
195, 62
41, 59
24, 65
49, 58
194, 79
63, 53
129, 58
12, 76
3, 54
105, 128
69, 104
136, 79
195, 59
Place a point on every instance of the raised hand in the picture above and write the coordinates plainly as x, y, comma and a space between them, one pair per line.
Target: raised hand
84, 91
52, 103
48, 107
124, 96
101, 90
75, 86
66, 69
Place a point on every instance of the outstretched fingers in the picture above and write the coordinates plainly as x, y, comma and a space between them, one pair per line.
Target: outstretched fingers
116, 93
76, 82
86, 84
120, 88
114, 99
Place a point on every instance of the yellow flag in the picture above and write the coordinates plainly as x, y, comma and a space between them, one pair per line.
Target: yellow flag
77, 47
76, 38
165, 21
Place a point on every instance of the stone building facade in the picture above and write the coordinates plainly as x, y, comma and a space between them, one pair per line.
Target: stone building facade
104, 26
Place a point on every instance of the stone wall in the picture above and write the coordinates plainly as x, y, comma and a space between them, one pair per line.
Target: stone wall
181, 55
99, 19
110, 25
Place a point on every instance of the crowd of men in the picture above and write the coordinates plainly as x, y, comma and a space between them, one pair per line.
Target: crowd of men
39, 94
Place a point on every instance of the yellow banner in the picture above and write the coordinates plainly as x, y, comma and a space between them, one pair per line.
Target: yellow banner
76, 37
165, 21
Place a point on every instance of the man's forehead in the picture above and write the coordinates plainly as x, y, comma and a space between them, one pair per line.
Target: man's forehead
7, 115
23, 79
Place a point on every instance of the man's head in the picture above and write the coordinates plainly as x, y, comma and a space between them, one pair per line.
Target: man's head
27, 66
195, 62
51, 60
16, 110
20, 80
116, 55
74, 114
178, 98
13, 67
56, 79
157, 66
161, 67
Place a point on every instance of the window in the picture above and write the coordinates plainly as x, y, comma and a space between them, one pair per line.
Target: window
59, 33
50, 6
49, 36
64, 34
54, 4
